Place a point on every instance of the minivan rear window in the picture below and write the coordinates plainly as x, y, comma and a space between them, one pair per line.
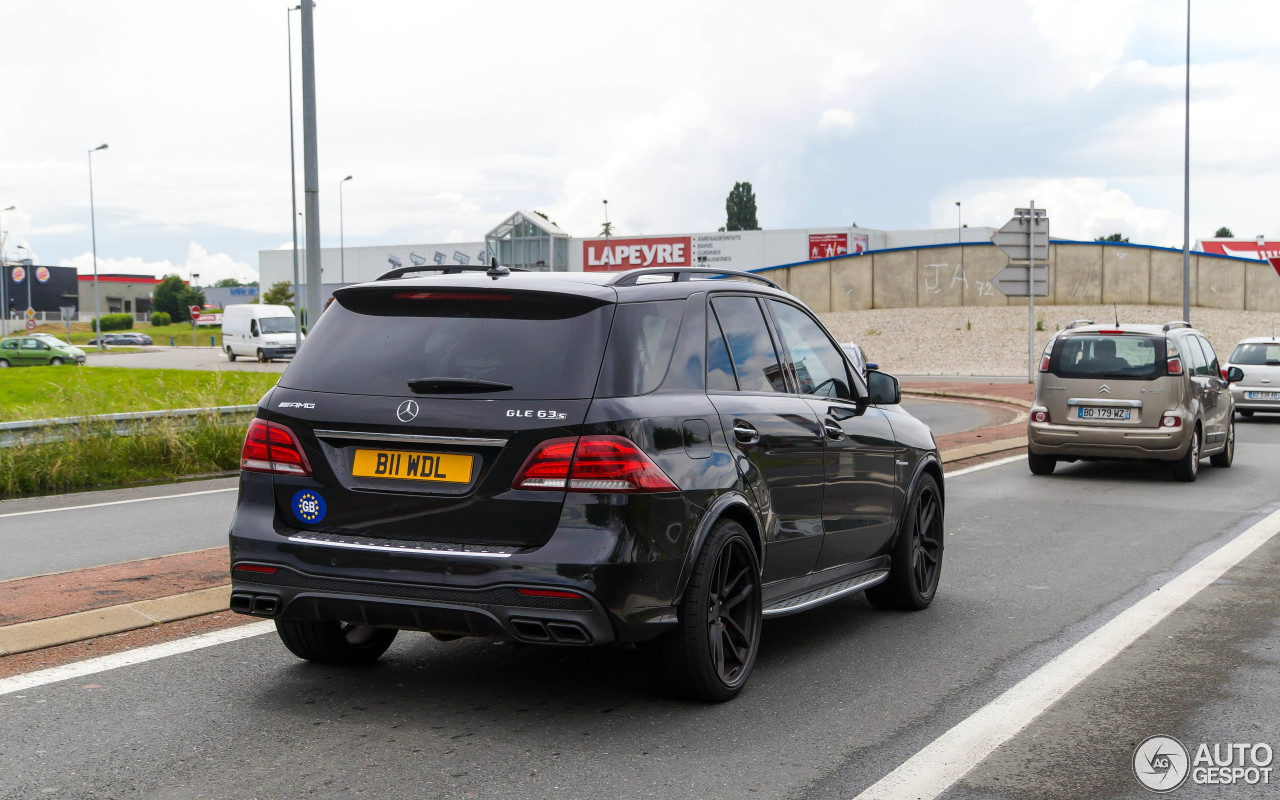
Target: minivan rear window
374, 341
1256, 355
1098, 355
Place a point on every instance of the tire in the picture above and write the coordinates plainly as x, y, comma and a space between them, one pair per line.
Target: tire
1246, 412
55, 362
1228, 453
262, 357
916, 558
230, 355
1041, 465
711, 652
343, 644
1187, 468
4, 363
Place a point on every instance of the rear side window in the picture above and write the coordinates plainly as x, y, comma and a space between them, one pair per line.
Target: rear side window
1199, 364
719, 366
1210, 356
750, 346
1256, 355
374, 341
1097, 355
640, 347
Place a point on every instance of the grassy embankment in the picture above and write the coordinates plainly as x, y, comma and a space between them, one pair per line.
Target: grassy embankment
93, 457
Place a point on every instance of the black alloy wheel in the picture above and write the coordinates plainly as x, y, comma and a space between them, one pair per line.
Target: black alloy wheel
712, 650
916, 559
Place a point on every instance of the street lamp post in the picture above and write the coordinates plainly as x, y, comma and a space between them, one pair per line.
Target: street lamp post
28, 271
606, 230
959, 234
1186, 186
293, 189
342, 243
93, 230
4, 279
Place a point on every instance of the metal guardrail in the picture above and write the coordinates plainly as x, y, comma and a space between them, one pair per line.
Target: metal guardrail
35, 431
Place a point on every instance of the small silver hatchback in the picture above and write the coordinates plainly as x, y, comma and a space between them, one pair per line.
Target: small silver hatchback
1258, 388
1146, 392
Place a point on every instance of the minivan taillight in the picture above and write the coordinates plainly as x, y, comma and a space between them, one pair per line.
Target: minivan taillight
1175, 366
271, 447
592, 464
1044, 363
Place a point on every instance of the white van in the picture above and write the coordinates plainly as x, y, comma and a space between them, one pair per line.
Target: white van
254, 330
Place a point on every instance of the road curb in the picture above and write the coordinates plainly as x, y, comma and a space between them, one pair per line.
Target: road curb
39, 634
983, 449
995, 398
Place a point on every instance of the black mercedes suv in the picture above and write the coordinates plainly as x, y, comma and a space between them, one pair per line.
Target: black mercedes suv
657, 457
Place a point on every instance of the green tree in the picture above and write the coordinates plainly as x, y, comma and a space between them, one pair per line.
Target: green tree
740, 208
174, 297
227, 283
1115, 237
279, 294
606, 229
1224, 233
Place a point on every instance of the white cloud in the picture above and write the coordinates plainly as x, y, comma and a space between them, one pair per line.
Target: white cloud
211, 267
837, 120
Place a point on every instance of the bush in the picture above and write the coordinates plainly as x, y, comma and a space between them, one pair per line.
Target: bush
160, 318
115, 322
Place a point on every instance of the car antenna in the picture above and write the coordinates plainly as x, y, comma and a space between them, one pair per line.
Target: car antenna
495, 271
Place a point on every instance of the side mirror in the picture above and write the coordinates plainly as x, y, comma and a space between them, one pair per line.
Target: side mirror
883, 388
1234, 374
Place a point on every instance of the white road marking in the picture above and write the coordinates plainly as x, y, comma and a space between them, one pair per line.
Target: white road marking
117, 502
948, 758
128, 658
997, 463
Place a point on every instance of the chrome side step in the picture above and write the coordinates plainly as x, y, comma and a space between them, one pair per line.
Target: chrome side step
825, 594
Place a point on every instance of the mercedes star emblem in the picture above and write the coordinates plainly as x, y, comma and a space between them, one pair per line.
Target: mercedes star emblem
407, 411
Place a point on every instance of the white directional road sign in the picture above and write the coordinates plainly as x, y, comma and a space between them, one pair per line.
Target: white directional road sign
1012, 281
1012, 238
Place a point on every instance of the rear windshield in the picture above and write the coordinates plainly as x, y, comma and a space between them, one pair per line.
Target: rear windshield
1264, 353
374, 341
1097, 355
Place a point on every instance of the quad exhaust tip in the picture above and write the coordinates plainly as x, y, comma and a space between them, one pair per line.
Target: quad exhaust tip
258, 605
557, 631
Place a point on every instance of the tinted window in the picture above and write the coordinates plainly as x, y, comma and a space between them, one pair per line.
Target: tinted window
1210, 356
373, 341
819, 367
719, 368
1095, 355
11, 344
1199, 365
640, 346
1256, 354
750, 347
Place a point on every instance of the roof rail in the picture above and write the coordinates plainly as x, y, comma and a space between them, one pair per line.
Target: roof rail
1076, 323
632, 276
450, 269
1177, 323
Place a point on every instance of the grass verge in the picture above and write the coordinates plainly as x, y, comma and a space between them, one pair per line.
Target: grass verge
96, 458
43, 392
82, 332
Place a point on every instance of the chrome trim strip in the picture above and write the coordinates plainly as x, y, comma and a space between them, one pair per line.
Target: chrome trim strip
397, 549
867, 581
464, 441
1102, 401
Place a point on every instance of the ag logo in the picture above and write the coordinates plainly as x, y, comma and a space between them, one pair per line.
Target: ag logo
1160, 763
407, 411
308, 506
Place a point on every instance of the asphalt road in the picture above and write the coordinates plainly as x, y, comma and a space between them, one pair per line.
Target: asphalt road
200, 358
951, 416
841, 695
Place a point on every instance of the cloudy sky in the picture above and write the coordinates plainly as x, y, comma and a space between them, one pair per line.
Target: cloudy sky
452, 115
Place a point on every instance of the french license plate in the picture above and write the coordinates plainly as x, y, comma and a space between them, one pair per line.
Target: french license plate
1262, 395
1090, 412
439, 467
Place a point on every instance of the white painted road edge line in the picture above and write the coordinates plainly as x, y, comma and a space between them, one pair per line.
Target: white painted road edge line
948, 758
117, 502
127, 658
997, 463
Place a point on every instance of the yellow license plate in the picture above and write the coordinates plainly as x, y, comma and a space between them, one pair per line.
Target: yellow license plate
441, 467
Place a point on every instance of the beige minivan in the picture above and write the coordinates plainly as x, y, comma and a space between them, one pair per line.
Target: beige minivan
1145, 392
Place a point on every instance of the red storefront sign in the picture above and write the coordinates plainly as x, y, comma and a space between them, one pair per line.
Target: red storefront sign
1245, 248
604, 255
828, 245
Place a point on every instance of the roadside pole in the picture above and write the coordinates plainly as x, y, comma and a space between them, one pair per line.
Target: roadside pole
310, 170
1031, 295
1021, 239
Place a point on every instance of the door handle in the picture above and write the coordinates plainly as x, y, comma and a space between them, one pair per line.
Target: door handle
745, 432
834, 431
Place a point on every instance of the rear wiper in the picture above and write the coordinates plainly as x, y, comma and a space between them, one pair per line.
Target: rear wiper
456, 386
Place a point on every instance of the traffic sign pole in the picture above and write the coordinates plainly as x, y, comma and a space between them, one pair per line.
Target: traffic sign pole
1010, 238
1031, 295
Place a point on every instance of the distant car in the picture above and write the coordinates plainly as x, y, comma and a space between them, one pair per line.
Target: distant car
124, 340
38, 350
1258, 388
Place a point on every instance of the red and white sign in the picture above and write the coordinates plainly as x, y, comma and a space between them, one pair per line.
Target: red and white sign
42, 274
604, 255
31, 324
1275, 264
1244, 248
828, 245
195, 311
19, 274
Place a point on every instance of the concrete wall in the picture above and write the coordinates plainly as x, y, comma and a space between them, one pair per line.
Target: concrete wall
1080, 273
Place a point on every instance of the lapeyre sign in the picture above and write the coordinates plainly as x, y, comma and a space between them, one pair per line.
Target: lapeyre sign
603, 255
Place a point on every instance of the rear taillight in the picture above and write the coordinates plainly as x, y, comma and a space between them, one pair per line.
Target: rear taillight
1171, 421
1175, 366
1039, 416
592, 464
1044, 363
271, 447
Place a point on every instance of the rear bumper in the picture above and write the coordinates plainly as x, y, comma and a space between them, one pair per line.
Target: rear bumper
1241, 396
1161, 444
